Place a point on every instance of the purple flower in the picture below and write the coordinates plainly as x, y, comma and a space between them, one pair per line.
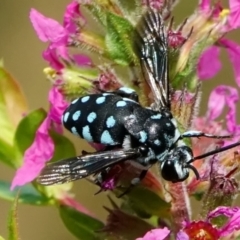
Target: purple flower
42, 148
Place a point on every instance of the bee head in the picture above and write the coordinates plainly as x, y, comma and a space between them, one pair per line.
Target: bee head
175, 166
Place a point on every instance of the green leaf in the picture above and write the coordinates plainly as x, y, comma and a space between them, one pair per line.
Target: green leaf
27, 128
13, 233
64, 148
8, 154
145, 202
80, 225
12, 97
12, 107
28, 194
119, 39
1, 238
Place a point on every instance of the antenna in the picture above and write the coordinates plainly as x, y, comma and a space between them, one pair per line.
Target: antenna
215, 151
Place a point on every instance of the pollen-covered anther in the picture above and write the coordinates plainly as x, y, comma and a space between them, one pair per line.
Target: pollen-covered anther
201, 231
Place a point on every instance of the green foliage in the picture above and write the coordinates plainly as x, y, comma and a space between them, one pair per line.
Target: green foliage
8, 154
64, 148
145, 202
118, 39
12, 107
27, 128
80, 225
27, 194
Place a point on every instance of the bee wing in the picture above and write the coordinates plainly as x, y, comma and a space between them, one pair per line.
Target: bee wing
75, 168
152, 48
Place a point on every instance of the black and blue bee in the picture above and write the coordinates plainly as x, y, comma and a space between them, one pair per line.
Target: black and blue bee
131, 132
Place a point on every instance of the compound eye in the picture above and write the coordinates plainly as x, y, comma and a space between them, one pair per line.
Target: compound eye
173, 172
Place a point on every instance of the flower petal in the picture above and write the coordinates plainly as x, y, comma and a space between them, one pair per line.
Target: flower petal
156, 234
206, 70
52, 57
220, 97
205, 6
71, 16
58, 105
182, 236
233, 50
47, 29
42, 149
234, 17
82, 60
233, 213
35, 156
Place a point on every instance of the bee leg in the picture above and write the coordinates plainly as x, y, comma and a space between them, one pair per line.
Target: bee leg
134, 182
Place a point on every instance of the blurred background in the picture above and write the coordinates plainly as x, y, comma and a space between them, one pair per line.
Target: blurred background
21, 51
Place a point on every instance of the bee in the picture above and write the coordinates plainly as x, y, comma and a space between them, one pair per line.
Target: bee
146, 135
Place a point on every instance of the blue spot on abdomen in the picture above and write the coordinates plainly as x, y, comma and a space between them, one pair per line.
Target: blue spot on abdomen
110, 122
76, 115
100, 100
85, 99
106, 138
86, 134
91, 117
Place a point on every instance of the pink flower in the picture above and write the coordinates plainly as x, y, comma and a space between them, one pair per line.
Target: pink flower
59, 36
211, 55
199, 229
233, 223
50, 30
42, 149
233, 50
71, 15
234, 17
220, 97
209, 63
205, 5
156, 234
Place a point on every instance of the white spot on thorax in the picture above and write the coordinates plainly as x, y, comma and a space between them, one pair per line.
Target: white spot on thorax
143, 136
127, 90
121, 104
157, 142
157, 116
